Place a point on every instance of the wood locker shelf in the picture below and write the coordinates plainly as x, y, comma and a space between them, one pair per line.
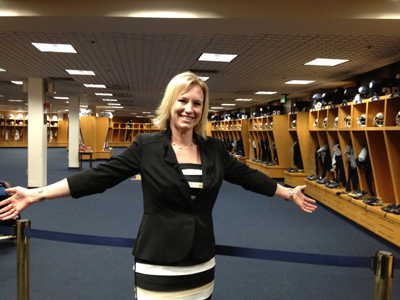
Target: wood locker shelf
277, 139
59, 130
94, 134
299, 134
382, 143
231, 130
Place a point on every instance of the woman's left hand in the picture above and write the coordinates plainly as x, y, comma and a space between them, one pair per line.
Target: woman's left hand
305, 203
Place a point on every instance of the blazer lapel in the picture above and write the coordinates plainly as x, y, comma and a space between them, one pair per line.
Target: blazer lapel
171, 165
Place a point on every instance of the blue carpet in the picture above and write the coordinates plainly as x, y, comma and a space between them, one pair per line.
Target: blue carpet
74, 271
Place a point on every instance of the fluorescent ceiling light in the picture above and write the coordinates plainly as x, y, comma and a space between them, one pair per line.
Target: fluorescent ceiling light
80, 72
146, 112
204, 78
61, 48
99, 86
300, 82
265, 93
139, 116
83, 106
61, 98
108, 107
2, 70
326, 62
104, 94
109, 110
151, 116
114, 104
133, 113
228, 104
217, 108
15, 100
18, 82
217, 57
242, 99
110, 100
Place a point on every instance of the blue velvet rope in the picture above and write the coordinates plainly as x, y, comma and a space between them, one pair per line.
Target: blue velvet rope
285, 256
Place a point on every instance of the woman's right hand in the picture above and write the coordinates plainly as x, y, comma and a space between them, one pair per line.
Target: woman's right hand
20, 198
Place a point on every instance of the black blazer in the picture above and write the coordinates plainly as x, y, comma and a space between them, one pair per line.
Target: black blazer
173, 225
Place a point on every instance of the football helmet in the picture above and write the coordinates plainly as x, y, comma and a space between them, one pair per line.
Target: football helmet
398, 119
380, 86
349, 94
315, 125
347, 121
336, 122
271, 126
235, 127
1, 116
361, 120
255, 126
11, 117
325, 123
294, 124
240, 127
223, 127
378, 119
266, 126
260, 126
317, 97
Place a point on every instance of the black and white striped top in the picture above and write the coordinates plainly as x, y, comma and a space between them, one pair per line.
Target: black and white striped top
194, 176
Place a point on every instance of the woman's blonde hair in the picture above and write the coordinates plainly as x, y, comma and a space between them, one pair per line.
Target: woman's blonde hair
174, 88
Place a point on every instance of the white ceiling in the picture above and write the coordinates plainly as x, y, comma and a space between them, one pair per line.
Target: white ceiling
135, 56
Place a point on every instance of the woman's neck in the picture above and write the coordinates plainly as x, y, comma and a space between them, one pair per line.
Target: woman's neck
182, 138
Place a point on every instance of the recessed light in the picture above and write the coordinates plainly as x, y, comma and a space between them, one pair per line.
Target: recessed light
326, 62
228, 104
300, 82
80, 72
60, 48
217, 57
243, 99
99, 86
104, 94
18, 82
265, 93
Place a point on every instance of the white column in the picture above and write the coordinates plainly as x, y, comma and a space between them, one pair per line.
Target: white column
37, 133
73, 132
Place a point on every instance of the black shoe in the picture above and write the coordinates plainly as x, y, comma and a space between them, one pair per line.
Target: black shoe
322, 181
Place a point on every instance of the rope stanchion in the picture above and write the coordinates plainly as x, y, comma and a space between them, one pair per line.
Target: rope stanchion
286, 256
22, 260
382, 263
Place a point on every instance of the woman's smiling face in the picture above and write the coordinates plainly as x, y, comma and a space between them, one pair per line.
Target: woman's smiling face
187, 109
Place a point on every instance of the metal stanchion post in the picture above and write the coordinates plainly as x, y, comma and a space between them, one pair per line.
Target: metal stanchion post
383, 265
23, 260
